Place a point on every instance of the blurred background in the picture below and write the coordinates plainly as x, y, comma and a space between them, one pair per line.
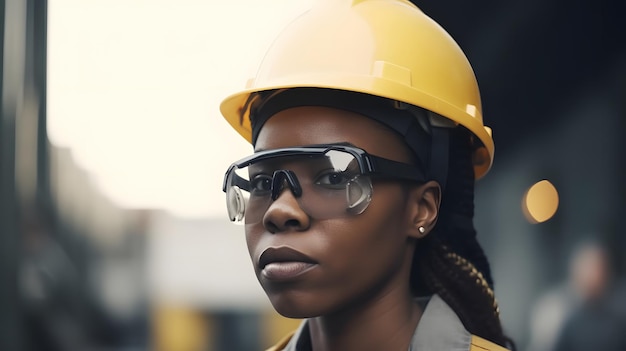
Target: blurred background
113, 234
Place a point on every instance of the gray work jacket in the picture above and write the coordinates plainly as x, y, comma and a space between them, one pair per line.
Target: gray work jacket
439, 329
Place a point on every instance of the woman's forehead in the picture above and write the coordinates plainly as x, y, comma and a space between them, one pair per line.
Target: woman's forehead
312, 125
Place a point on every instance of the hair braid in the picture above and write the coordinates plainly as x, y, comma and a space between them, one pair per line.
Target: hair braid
450, 261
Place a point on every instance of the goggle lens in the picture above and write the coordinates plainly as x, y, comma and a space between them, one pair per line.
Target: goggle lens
326, 185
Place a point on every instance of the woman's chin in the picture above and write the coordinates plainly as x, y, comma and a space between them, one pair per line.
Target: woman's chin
295, 307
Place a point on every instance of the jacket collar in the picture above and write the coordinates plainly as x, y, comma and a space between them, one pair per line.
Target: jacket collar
439, 329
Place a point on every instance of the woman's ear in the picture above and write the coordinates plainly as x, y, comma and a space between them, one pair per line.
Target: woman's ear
423, 207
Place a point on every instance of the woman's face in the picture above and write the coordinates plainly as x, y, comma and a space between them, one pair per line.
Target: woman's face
310, 267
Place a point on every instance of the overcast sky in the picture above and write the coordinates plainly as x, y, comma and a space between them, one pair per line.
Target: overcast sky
134, 88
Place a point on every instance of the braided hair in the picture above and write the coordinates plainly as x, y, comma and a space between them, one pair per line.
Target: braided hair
450, 262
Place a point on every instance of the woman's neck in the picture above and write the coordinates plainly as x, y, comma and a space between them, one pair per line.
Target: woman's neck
386, 322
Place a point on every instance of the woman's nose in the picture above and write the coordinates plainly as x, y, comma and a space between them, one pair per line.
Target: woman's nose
284, 214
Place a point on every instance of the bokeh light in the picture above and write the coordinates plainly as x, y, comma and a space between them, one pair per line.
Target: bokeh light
540, 202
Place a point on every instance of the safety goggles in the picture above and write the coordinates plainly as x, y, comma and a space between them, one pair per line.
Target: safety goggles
328, 181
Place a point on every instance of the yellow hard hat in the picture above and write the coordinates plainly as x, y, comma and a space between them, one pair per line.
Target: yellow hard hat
387, 48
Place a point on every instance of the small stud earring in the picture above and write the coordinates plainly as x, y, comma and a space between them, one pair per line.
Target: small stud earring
422, 229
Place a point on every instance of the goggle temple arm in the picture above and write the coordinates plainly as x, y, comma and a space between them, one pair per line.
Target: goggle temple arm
385, 168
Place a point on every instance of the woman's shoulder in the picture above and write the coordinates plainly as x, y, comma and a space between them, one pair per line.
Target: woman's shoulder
480, 344
283, 343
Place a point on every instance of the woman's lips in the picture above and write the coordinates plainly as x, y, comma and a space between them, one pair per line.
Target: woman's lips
284, 263
285, 270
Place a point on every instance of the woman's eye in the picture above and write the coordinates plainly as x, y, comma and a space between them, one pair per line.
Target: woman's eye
334, 179
261, 184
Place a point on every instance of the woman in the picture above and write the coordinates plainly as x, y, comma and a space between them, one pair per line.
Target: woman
366, 122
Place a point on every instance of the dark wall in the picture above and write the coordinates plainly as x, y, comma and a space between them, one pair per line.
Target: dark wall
531, 57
